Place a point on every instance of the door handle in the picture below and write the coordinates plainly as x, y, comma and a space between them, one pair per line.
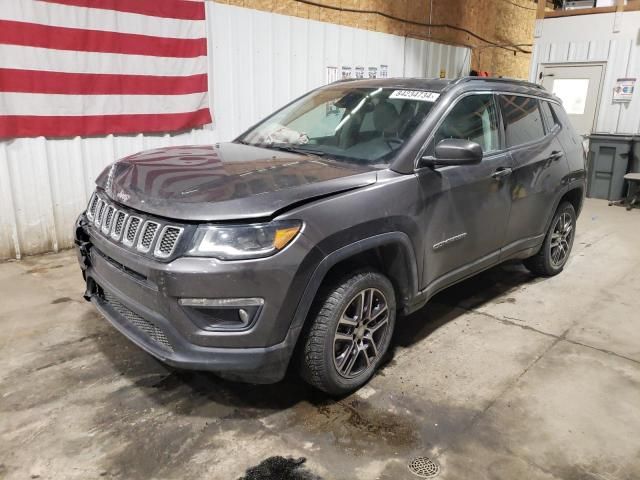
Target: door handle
556, 155
501, 173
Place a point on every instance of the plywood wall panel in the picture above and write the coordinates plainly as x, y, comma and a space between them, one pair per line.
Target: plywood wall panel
500, 21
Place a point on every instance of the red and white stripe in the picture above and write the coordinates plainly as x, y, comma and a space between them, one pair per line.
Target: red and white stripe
95, 67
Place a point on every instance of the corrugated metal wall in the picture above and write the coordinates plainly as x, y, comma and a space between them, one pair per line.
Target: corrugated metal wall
258, 61
262, 60
44, 184
591, 38
428, 59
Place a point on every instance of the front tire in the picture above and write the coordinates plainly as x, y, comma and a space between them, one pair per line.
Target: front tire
350, 332
555, 250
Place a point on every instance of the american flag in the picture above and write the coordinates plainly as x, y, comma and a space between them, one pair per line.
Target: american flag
95, 67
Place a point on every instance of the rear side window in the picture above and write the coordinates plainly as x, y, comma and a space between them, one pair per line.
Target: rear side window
522, 119
550, 119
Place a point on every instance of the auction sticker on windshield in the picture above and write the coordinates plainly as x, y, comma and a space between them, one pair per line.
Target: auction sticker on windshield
415, 95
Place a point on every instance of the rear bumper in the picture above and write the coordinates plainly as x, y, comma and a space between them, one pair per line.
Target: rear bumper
141, 298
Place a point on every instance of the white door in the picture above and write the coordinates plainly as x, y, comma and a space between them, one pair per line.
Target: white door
578, 86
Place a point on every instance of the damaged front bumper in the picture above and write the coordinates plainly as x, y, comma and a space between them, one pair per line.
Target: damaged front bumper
142, 299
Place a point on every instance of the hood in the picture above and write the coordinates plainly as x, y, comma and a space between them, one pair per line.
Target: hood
225, 181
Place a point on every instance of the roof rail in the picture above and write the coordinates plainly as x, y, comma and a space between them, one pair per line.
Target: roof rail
524, 83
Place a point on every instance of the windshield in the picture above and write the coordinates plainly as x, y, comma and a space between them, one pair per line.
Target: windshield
363, 125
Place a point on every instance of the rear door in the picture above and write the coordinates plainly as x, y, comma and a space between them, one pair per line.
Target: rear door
539, 164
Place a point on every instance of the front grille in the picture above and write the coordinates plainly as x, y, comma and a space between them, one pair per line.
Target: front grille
168, 240
148, 234
141, 233
146, 327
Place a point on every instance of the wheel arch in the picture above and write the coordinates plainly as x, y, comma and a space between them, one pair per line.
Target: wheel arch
574, 194
390, 253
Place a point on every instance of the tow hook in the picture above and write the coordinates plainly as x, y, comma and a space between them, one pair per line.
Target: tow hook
83, 244
91, 290
83, 254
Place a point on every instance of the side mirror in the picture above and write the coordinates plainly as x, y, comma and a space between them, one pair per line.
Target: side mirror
453, 151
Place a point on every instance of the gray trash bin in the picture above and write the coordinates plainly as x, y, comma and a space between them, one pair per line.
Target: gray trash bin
608, 162
635, 164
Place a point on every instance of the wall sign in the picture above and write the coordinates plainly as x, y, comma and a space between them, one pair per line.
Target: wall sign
333, 74
623, 91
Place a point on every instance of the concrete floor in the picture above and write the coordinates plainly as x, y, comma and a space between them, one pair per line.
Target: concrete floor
505, 376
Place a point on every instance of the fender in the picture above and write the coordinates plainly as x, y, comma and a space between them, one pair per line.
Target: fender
343, 253
572, 182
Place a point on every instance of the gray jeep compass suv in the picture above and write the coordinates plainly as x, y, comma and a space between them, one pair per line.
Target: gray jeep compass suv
311, 232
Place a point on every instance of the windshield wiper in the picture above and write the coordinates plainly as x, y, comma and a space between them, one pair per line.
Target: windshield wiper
287, 147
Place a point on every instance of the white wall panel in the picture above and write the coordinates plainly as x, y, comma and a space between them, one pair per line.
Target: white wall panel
590, 38
426, 59
609, 112
264, 60
578, 50
258, 61
630, 112
44, 184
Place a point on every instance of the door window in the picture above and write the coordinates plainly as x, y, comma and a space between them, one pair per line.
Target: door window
522, 119
473, 118
549, 116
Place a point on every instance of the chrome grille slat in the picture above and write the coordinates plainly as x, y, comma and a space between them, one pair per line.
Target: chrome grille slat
167, 241
99, 212
91, 210
118, 224
147, 236
108, 219
131, 230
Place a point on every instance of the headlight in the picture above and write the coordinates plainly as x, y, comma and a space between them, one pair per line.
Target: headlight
244, 241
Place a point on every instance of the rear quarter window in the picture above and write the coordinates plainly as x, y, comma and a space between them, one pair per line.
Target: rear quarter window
522, 119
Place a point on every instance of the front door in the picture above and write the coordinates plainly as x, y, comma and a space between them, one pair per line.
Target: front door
466, 208
578, 86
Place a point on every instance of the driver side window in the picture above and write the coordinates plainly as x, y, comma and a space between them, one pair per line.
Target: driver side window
473, 118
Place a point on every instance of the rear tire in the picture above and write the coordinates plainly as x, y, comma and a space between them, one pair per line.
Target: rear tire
350, 332
555, 250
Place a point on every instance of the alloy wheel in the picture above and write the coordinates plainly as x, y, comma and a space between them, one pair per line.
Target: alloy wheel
360, 333
561, 238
